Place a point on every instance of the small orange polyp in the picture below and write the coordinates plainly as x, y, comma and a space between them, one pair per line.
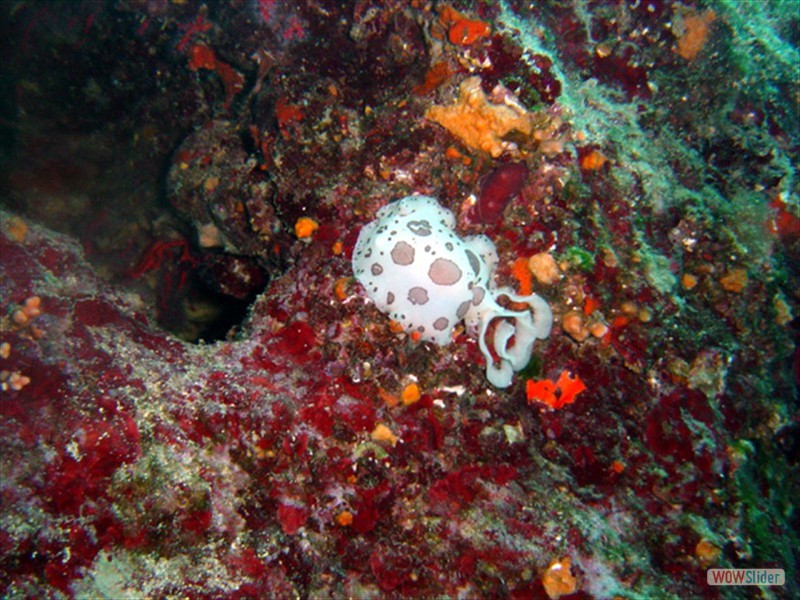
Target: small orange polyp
522, 273
396, 327
305, 227
452, 153
696, 29
555, 395
340, 288
558, 579
382, 433
410, 394
345, 518
593, 161
390, 399
465, 32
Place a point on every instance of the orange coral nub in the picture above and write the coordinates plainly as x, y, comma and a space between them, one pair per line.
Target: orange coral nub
461, 30
593, 161
305, 227
345, 518
452, 153
555, 395
696, 28
390, 399
340, 288
465, 32
590, 305
558, 579
382, 433
570, 387
522, 273
541, 391
410, 394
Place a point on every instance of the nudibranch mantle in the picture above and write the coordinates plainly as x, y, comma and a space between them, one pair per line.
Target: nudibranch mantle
420, 273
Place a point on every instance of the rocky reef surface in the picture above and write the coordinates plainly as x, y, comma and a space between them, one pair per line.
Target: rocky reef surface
198, 399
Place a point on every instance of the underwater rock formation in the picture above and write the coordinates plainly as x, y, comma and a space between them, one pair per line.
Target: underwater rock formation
197, 398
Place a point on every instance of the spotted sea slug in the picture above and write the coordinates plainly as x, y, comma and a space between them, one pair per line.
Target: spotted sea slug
419, 272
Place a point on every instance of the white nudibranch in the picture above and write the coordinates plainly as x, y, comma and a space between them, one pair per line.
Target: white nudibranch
421, 274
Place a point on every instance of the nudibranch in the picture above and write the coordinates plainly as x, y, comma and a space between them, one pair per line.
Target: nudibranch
420, 273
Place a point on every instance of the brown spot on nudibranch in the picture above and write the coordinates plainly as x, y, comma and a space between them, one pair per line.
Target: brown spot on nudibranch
421, 228
441, 324
473, 262
418, 295
444, 272
403, 253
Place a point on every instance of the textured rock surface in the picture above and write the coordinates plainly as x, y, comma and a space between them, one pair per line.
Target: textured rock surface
307, 448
